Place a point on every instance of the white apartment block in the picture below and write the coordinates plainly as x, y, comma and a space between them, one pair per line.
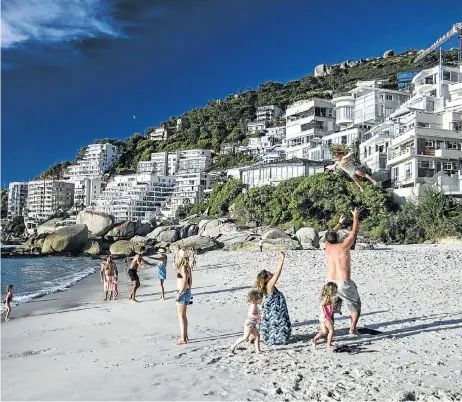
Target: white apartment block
267, 113
181, 123
179, 162
256, 127
307, 121
373, 150
17, 198
95, 161
273, 173
426, 140
45, 198
134, 197
86, 190
189, 189
159, 134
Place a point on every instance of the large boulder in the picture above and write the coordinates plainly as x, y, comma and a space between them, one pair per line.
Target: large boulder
216, 227
322, 70
69, 239
121, 231
202, 223
342, 235
388, 53
143, 240
142, 229
193, 230
92, 248
97, 223
49, 226
268, 245
228, 239
201, 244
168, 236
308, 237
274, 234
157, 231
122, 248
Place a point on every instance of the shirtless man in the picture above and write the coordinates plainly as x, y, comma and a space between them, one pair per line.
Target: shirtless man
133, 272
108, 273
339, 270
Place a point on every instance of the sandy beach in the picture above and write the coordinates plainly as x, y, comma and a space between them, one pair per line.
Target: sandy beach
72, 346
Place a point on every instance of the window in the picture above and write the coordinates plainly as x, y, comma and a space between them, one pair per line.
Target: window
381, 96
344, 140
430, 106
429, 144
426, 164
423, 125
320, 111
446, 75
389, 97
395, 173
453, 145
330, 112
447, 165
457, 126
319, 125
408, 170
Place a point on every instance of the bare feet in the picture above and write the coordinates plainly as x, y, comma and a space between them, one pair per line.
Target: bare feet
313, 344
134, 301
181, 341
354, 332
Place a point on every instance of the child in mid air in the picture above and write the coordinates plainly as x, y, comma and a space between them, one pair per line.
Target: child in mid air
7, 302
345, 164
255, 298
327, 310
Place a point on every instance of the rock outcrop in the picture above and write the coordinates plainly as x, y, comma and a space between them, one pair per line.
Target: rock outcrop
388, 53
268, 245
92, 248
142, 229
201, 244
69, 239
98, 223
275, 234
121, 231
216, 227
122, 248
168, 236
308, 237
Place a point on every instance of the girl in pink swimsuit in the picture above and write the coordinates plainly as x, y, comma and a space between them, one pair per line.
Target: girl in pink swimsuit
325, 318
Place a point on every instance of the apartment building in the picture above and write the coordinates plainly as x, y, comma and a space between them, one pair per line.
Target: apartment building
178, 162
159, 134
95, 161
426, 140
86, 190
17, 198
373, 149
190, 188
273, 173
45, 198
256, 127
267, 113
307, 121
134, 197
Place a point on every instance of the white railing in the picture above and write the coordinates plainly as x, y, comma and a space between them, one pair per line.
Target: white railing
408, 151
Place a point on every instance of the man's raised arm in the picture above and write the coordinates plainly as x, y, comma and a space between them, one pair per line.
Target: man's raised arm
349, 241
339, 225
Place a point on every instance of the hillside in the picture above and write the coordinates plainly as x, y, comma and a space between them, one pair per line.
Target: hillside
222, 121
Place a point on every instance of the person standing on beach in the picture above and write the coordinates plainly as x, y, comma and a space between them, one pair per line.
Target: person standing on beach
275, 325
161, 271
7, 302
339, 271
184, 283
260, 244
133, 272
107, 273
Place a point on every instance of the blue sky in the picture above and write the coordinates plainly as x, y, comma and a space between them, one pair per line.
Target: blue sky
77, 70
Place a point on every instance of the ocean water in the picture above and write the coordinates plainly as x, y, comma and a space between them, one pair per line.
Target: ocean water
35, 277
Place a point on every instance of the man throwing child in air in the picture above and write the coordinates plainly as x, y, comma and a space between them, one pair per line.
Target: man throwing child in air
339, 271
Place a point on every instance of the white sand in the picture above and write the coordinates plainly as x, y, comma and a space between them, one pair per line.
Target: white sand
124, 351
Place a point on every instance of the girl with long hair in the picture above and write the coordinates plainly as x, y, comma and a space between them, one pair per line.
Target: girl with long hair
184, 283
328, 293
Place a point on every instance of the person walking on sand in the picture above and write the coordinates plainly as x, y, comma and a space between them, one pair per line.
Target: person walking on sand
184, 283
328, 293
133, 273
255, 298
275, 326
161, 271
260, 244
339, 271
7, 302
343, 161
107, 273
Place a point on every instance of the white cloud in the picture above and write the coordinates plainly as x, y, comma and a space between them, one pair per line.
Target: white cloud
55, 21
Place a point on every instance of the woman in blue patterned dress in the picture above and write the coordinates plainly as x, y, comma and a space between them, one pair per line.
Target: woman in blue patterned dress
275, 326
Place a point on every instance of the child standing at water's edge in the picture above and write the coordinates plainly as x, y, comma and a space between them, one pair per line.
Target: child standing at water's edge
325, 318
7, 302
255, 298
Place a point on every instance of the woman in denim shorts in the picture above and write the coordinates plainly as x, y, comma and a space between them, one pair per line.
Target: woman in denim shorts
184, 283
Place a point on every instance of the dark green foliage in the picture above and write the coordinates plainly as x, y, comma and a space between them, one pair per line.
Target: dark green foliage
16, 226
223, 195
223, 162
55, 171
4, 205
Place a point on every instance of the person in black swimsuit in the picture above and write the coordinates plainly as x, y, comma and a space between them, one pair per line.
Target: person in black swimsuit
133, 272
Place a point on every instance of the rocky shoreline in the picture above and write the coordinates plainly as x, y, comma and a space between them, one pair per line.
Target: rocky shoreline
96, 234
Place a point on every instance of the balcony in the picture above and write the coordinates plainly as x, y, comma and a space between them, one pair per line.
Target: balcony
448, 153
400, 156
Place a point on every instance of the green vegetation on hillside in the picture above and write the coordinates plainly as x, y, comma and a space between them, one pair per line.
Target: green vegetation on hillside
222, 121
4, 204
320, 200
